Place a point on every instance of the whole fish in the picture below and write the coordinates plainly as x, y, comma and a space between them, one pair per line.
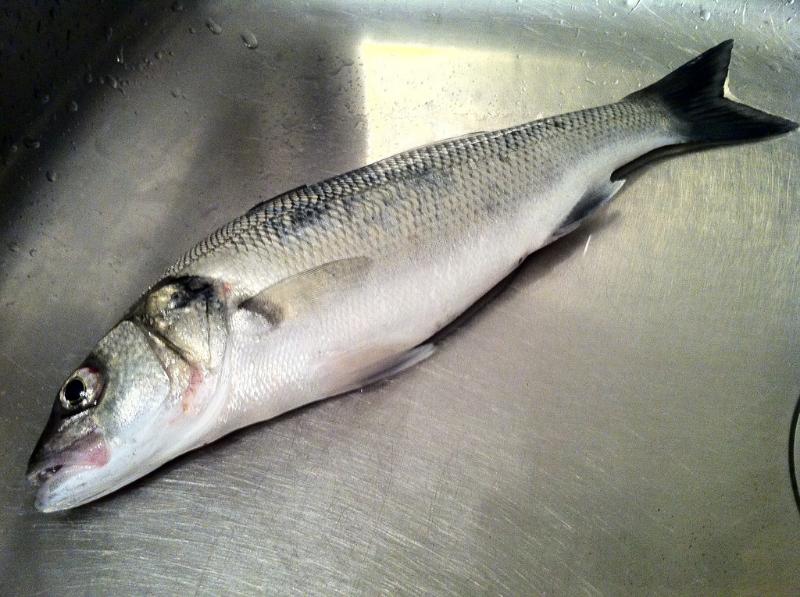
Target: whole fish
335, 285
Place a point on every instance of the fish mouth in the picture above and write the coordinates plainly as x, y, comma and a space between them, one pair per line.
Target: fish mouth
56, 474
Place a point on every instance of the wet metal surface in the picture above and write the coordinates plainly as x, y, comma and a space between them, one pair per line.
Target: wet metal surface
616, 421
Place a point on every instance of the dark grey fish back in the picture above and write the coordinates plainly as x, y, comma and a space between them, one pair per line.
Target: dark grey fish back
549, 145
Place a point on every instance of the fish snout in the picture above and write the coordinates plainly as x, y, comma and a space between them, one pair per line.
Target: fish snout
51, 458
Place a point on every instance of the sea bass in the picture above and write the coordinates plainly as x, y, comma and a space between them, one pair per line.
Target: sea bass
332, 286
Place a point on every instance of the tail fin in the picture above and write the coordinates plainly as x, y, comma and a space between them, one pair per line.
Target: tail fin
693, 93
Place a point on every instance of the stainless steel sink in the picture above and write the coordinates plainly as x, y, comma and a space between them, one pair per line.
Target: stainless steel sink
616, 421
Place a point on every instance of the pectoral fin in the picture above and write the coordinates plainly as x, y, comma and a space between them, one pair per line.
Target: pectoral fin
305, 291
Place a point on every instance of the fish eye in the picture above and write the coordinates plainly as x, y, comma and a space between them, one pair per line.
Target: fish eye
74, 391
81, 390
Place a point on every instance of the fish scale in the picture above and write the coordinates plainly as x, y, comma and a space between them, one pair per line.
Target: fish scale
334, 285
499, 166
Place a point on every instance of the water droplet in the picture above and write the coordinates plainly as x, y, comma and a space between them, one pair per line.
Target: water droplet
630, 3
112, 81
89, 78
120, 57
45, 98
177, 6
32, 252
176, 92
13, 247
192, 30
249, 39
159, 55
73, 106
31, 143
109, 33
213, 26
14, 148
51, 176
705, 14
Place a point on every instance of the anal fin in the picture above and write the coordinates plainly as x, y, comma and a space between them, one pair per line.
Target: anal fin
592, 200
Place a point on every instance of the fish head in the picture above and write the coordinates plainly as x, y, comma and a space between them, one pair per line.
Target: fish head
147, 392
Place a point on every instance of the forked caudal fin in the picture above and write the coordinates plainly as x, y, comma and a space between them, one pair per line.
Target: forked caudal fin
693, 94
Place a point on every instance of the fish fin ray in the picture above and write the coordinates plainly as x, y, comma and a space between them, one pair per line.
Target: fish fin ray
301, 292
694, 95
385, 368
592, 200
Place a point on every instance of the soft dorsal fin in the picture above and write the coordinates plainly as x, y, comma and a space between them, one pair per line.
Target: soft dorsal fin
303, 291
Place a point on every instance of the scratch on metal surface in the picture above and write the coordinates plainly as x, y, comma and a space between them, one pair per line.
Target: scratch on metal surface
32, 374
650, 10
555, 515
211, 553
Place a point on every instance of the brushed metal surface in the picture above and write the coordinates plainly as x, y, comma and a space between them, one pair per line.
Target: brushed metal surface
616, 421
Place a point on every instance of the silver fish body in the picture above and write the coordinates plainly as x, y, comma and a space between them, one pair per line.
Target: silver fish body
415, 240
334, 285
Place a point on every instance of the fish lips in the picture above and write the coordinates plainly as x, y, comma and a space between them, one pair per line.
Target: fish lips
54, 470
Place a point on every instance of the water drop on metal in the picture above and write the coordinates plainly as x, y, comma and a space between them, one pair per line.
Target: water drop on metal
109, 33
112, 81
176, 93
73, 106
249, 39
51, 176
705, 15
177, 7
45, 98
159, 55
213, 26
